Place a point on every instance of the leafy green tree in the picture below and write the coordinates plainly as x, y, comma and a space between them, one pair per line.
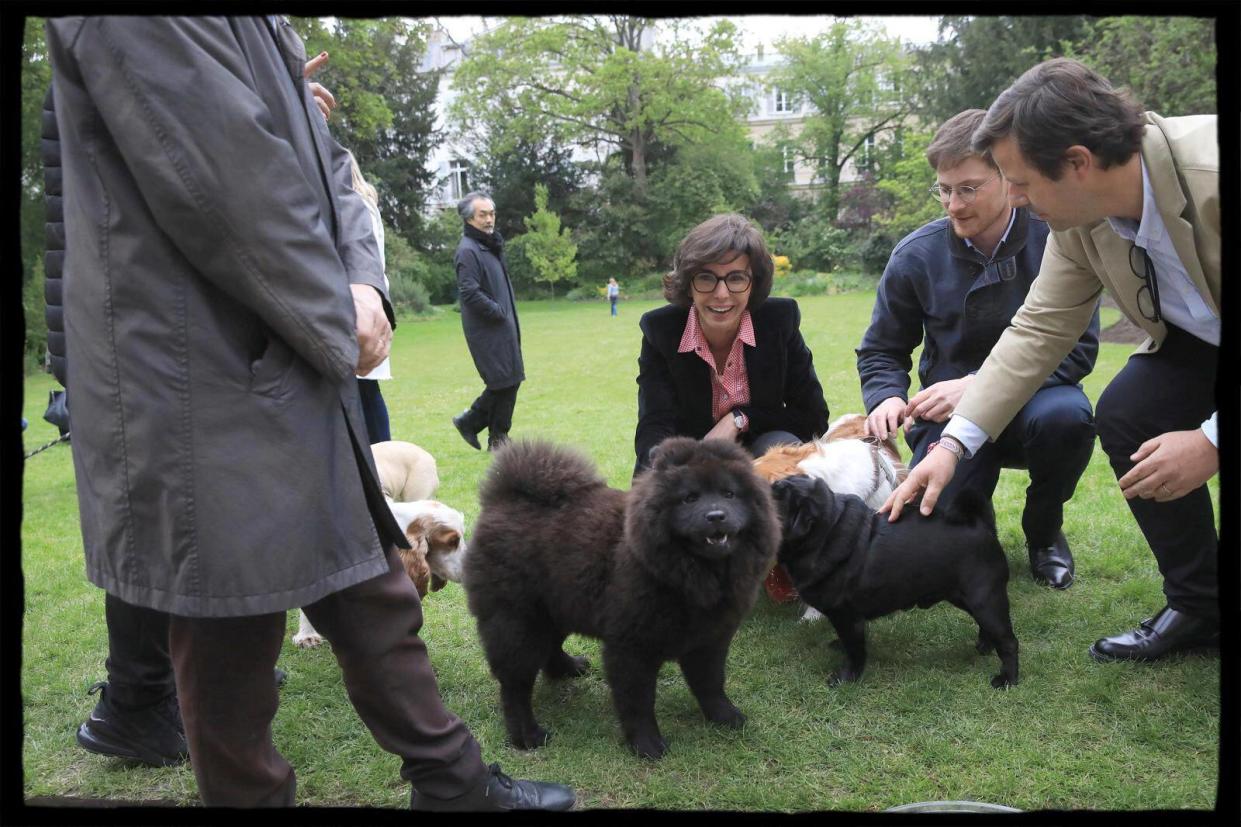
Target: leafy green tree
700, 180
591, 80
853, 77
385, 110
1182, 49
905, 180
548, 249
977, 58
35, 79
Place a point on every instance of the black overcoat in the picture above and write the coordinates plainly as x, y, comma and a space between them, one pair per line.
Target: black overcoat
212, 237
489, 315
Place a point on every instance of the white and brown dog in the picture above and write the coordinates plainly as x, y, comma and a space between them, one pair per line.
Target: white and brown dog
436, 532
848, 460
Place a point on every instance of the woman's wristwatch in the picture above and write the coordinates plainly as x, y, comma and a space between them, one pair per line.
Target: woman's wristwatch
740, 419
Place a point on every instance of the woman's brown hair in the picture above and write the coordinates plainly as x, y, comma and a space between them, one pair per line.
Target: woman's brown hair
720, 238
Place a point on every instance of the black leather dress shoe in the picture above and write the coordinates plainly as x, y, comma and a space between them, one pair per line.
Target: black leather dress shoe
467, 433
1053, 565
1167, 633
498, 793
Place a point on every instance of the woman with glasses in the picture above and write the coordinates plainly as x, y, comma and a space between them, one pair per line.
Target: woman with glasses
722, 360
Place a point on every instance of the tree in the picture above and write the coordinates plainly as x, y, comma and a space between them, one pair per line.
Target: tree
1183, 49
548, 249
853, 77
35, 79
977, 58
591, 80
386, 108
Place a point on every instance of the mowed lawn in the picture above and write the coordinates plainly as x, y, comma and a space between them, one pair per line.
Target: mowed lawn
923, 723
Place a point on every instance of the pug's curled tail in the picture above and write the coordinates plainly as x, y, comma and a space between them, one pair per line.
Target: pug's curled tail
539, 472
970, 507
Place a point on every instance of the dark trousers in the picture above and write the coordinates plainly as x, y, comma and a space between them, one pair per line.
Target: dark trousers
764, 442
1172, 389
1052, 436
228, 698
139, 667
374, 411
493, 410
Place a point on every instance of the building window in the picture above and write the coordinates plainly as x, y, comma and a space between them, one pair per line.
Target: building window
789, 160
458, 185
868, 153
781, 101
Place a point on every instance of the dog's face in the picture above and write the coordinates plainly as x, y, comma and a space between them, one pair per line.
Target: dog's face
802, 502
436, 534
702, 484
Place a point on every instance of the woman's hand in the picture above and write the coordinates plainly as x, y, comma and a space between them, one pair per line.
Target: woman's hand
724, 429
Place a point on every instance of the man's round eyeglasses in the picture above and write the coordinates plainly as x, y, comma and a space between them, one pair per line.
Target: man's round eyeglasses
737, 281
967, 195
1148, 293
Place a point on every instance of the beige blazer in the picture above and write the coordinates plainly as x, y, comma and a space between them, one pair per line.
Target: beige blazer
1182, 159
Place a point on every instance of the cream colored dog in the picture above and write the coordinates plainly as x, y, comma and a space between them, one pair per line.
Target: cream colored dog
436, 532
406, 472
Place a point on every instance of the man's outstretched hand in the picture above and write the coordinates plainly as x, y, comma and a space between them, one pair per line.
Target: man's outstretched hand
932, 474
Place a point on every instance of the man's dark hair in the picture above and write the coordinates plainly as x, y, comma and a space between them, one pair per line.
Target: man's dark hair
1062, 103
951, 145
720, 238
465, 207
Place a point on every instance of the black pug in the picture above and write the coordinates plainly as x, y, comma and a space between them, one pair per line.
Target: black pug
665, 571
853, 565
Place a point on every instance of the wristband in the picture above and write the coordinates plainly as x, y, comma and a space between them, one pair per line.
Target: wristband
952, 445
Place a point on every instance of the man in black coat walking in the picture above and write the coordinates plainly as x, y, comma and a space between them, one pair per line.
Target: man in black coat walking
489, 319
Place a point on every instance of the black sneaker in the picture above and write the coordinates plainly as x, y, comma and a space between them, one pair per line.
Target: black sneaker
152, 734
498, 793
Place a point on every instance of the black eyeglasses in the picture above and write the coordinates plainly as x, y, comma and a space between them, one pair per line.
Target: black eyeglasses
738, 281
1148, 293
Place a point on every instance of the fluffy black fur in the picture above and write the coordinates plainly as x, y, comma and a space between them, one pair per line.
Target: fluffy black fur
853, 565
665, 571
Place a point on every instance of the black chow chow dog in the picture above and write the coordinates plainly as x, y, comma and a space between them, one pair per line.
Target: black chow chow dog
853, 565
665, 571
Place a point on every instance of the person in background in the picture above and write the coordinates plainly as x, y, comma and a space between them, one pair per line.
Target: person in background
613, 293
1132, 199
953, 286
489, 320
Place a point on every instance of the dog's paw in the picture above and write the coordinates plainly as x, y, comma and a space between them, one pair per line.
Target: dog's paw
731, 717
842, 676
811, 615
649, 746
307, 641
567, 666
530, 739
1002, 681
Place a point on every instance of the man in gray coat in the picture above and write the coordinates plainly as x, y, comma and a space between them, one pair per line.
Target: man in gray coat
489, 318
222, 287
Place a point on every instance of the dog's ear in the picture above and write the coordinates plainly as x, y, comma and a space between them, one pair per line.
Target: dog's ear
795, 497
672, 451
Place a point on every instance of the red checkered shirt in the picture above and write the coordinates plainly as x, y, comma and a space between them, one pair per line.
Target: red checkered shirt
732, 388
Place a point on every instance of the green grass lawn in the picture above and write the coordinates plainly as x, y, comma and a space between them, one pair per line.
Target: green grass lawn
923, 724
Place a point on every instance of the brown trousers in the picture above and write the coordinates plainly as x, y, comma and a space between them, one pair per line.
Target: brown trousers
228, 698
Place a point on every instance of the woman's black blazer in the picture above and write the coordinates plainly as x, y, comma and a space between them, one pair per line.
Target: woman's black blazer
674, 389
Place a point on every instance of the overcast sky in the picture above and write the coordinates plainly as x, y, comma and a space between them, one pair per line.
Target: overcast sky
759, 28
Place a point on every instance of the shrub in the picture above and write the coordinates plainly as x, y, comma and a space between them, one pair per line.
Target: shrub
875, 251
408, 295
33, 308
782, 266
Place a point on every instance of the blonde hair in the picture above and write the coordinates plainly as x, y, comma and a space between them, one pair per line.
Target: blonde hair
360, 184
